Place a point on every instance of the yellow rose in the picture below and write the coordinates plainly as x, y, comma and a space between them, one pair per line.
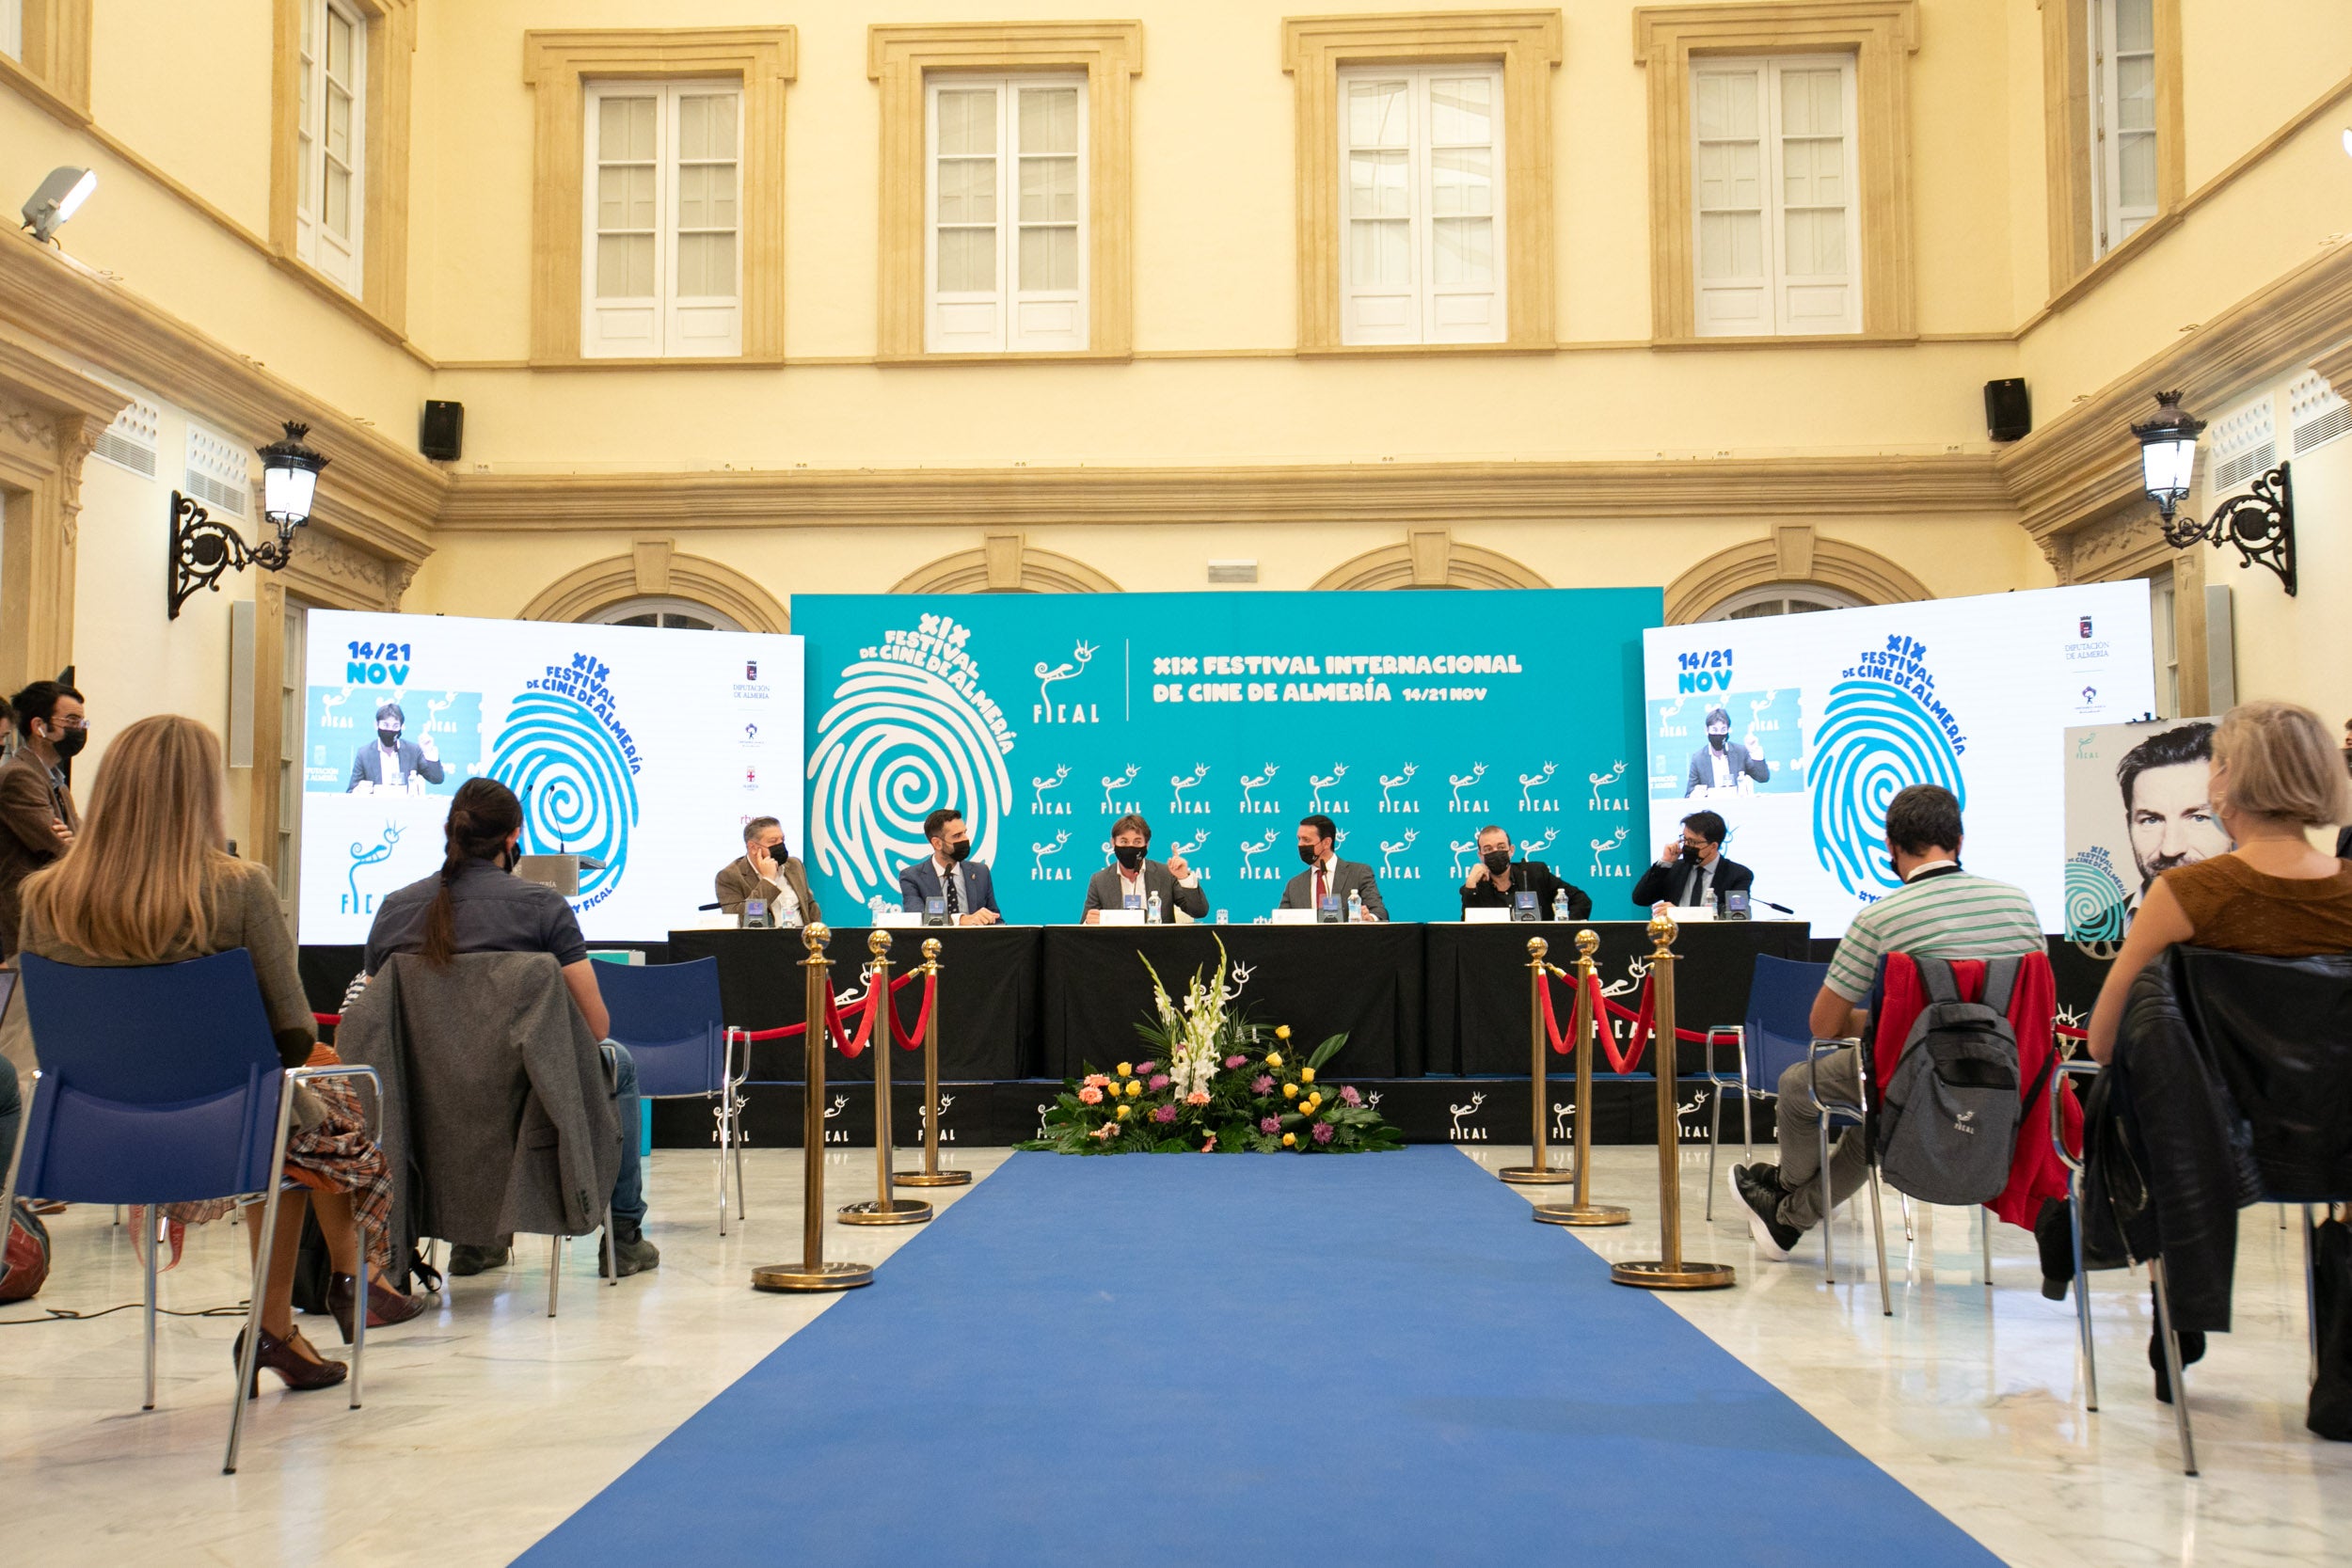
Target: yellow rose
1290, 1091
1133, 1088
1306, 1075
1290, 1140
1126, 1068
1122, 1112
1274, 1058
1282, 1031
1314, 1101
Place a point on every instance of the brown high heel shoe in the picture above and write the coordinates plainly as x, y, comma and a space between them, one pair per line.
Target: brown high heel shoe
385, 1306
299, 1372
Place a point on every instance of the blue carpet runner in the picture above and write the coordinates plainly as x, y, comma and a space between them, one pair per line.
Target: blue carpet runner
1354, 1359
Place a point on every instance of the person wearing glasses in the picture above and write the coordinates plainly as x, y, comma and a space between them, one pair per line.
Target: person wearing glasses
37, 816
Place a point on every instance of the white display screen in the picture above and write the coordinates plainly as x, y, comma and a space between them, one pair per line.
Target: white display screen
1839, 709
645, 749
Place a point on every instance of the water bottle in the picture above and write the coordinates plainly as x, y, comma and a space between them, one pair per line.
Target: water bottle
1151, 909
1559, 905
1220, 917
1355, 907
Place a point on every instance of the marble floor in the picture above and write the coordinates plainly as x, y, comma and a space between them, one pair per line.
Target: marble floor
486, 1421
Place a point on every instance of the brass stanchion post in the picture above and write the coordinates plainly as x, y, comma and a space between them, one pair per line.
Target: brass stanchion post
811, 1273
1538, 1174
1580, 1212
1669, 1272
883, 1209
931, 1175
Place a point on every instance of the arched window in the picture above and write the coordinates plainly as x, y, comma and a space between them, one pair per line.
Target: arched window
669, 613
1781, 598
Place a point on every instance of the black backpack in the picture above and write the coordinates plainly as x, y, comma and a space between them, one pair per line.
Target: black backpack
1949, 1116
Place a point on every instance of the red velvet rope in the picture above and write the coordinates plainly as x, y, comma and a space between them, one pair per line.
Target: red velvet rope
910, 1040
326, 1021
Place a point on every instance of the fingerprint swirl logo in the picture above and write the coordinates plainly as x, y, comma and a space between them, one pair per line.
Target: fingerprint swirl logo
2096, 904
580, 797
897, 743
1875, 740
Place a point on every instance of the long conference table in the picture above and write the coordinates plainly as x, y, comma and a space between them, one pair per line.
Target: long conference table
1025, 1002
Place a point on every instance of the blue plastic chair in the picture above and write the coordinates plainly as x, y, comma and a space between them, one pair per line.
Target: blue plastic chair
1779, 1028
669, 1016
162, 1085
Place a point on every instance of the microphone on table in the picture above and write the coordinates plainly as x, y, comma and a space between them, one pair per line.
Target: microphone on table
706, 908
1770, 904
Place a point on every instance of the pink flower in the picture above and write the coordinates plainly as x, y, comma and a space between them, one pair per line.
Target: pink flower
1262, 1083
1159, 1081
1108, 1130
1323, 1131
1349, 1096
1091, 1095
1232, 1062
1209, 1148
1270, 1126
1142, 1067
1198, 1096
1164, 1114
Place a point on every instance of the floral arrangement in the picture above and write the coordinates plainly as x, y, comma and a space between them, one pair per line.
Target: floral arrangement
1214, 1083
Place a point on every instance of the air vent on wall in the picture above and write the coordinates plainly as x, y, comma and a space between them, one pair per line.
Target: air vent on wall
2314, 413
2244, 446
1232, 571
219, 474
133, 441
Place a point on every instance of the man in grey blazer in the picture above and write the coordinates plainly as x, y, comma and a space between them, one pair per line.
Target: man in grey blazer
769, 871
1723, 763
391, 761
1177, 887
1326, 873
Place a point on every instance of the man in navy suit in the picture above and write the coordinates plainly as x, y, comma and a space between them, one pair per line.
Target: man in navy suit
392, 760
950, 874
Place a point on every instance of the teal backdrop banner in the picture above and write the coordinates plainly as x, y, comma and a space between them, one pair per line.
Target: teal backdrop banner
1411, 719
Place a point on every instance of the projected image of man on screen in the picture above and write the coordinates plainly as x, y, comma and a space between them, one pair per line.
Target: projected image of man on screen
1724, 763
389, 764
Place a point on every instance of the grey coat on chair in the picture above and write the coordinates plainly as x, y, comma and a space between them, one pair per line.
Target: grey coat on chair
497, 1114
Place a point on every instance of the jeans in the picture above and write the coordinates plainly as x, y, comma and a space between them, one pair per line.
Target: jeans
629, 1188
1798, 1126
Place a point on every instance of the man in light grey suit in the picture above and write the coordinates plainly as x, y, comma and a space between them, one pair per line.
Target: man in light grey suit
392, 760
1177, 887
1326, 873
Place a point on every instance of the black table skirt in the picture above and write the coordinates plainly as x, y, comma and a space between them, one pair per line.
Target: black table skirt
988, 1021
1479, 998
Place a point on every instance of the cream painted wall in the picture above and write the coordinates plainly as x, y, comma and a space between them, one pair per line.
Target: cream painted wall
187, 84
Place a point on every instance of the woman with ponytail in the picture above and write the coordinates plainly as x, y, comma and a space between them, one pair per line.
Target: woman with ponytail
149, 880
473, 905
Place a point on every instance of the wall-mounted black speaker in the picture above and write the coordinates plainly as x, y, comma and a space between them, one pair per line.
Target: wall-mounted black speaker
2008, 412
442, 434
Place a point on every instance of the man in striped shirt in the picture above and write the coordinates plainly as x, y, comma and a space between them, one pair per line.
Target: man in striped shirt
1940, 912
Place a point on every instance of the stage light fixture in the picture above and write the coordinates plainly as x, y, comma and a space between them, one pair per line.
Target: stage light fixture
2260, 523
59, 198
202, 549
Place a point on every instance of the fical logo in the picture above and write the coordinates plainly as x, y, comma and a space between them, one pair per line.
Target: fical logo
1177, 804
1603, 800
1463, 1134
1388, 858
1602, 870
1039, 870
1251, 805
1529, 783
1462, 782
1048, 711
1389, 805
1115, 803
1250, 849
1039, 805
1320, 803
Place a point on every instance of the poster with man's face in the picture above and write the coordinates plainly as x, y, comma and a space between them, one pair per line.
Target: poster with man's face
2139, 803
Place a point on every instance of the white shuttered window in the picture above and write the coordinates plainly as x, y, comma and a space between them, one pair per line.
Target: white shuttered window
1420, 205
12, 29
329, 203
2123, 118
663, 257
1775, 198
1005, 268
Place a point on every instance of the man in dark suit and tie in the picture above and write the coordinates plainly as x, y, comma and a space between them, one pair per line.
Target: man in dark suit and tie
392, 760
1723, 763
38, 817
950, 873
1175, 884
1327, 875
1692, 869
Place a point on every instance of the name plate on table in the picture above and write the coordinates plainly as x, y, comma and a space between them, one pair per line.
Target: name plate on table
1119, 918
1292, 917
1495, 915
899, 919
1686, 913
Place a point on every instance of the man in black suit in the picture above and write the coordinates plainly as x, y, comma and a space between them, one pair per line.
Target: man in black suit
1496, 877
1723, 763
1692, 869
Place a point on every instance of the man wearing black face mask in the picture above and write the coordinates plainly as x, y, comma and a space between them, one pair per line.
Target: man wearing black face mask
1327, 876
37, 816
769, 871
1692, 868
390, 761
1495, 879
1723, 763
950, 873
1177, 887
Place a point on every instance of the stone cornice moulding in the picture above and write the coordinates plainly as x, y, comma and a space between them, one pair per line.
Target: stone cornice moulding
376, 495
2083, 463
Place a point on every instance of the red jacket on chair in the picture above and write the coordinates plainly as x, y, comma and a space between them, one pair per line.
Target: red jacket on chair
2035, 1171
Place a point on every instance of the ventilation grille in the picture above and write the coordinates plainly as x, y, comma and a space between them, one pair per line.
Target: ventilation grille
135, 440
1232, 571
2244, 446
218, 474
2314, 413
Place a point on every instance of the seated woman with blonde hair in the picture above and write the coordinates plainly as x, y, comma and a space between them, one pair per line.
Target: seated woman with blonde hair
149, 880
2275, 773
